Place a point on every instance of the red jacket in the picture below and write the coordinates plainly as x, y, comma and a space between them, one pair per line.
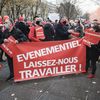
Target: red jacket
36, 33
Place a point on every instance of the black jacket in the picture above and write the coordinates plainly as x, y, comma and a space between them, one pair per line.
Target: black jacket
49, 32
23, 27
1, 37
79, 29
16, 33
61, 32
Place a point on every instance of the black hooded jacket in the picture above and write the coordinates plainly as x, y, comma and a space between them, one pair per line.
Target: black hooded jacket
61, 32
23, 27
16, 33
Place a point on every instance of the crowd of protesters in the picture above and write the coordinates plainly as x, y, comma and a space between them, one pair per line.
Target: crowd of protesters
39, 30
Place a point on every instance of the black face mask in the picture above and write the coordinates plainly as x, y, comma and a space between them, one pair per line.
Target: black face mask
96, 28
64, 22
1, 28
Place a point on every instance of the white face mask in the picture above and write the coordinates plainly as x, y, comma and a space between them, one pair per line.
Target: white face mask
72, 23
6, 26
75, 24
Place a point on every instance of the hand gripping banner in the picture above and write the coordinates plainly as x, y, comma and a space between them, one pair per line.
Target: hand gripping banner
8, 47
33, 60
93, 37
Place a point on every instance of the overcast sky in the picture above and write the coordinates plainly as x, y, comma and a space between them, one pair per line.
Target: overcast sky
53, 1
85, 5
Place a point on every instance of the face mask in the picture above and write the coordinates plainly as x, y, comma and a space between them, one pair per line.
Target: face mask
64, 22
7, 26
0, 28
92, 25
72, 24
75, 24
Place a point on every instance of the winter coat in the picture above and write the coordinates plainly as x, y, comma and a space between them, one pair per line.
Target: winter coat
16, 33
49, 32
61, 32
23, 27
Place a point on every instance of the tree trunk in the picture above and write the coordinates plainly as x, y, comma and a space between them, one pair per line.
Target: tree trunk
32, 13
0, 12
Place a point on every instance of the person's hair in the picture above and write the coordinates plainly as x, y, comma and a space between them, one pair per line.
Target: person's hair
35, 17
11, 20
97, 28
38, 22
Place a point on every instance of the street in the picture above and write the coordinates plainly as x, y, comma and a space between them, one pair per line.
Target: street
68, 87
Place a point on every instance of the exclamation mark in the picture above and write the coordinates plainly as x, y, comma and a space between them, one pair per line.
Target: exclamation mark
80, 67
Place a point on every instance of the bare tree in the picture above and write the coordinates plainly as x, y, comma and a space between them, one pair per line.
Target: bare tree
60, 10
34, 7
38, 3
14, 8
43, 9
97, 2
68, 9
20, 6
86, 16
2, 5
32, 4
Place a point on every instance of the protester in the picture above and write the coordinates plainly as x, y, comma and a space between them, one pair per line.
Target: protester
87, 24
19, 36
1, 21
71, 24
78, 26
93, 54
36, 33
6, 17
29, 23
1, 40
61, 30
22, 26
55, 24
1, 33
49, 32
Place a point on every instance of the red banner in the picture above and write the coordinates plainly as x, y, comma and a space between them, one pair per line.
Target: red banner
75, 34
92, 37
8, 47
45, 59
